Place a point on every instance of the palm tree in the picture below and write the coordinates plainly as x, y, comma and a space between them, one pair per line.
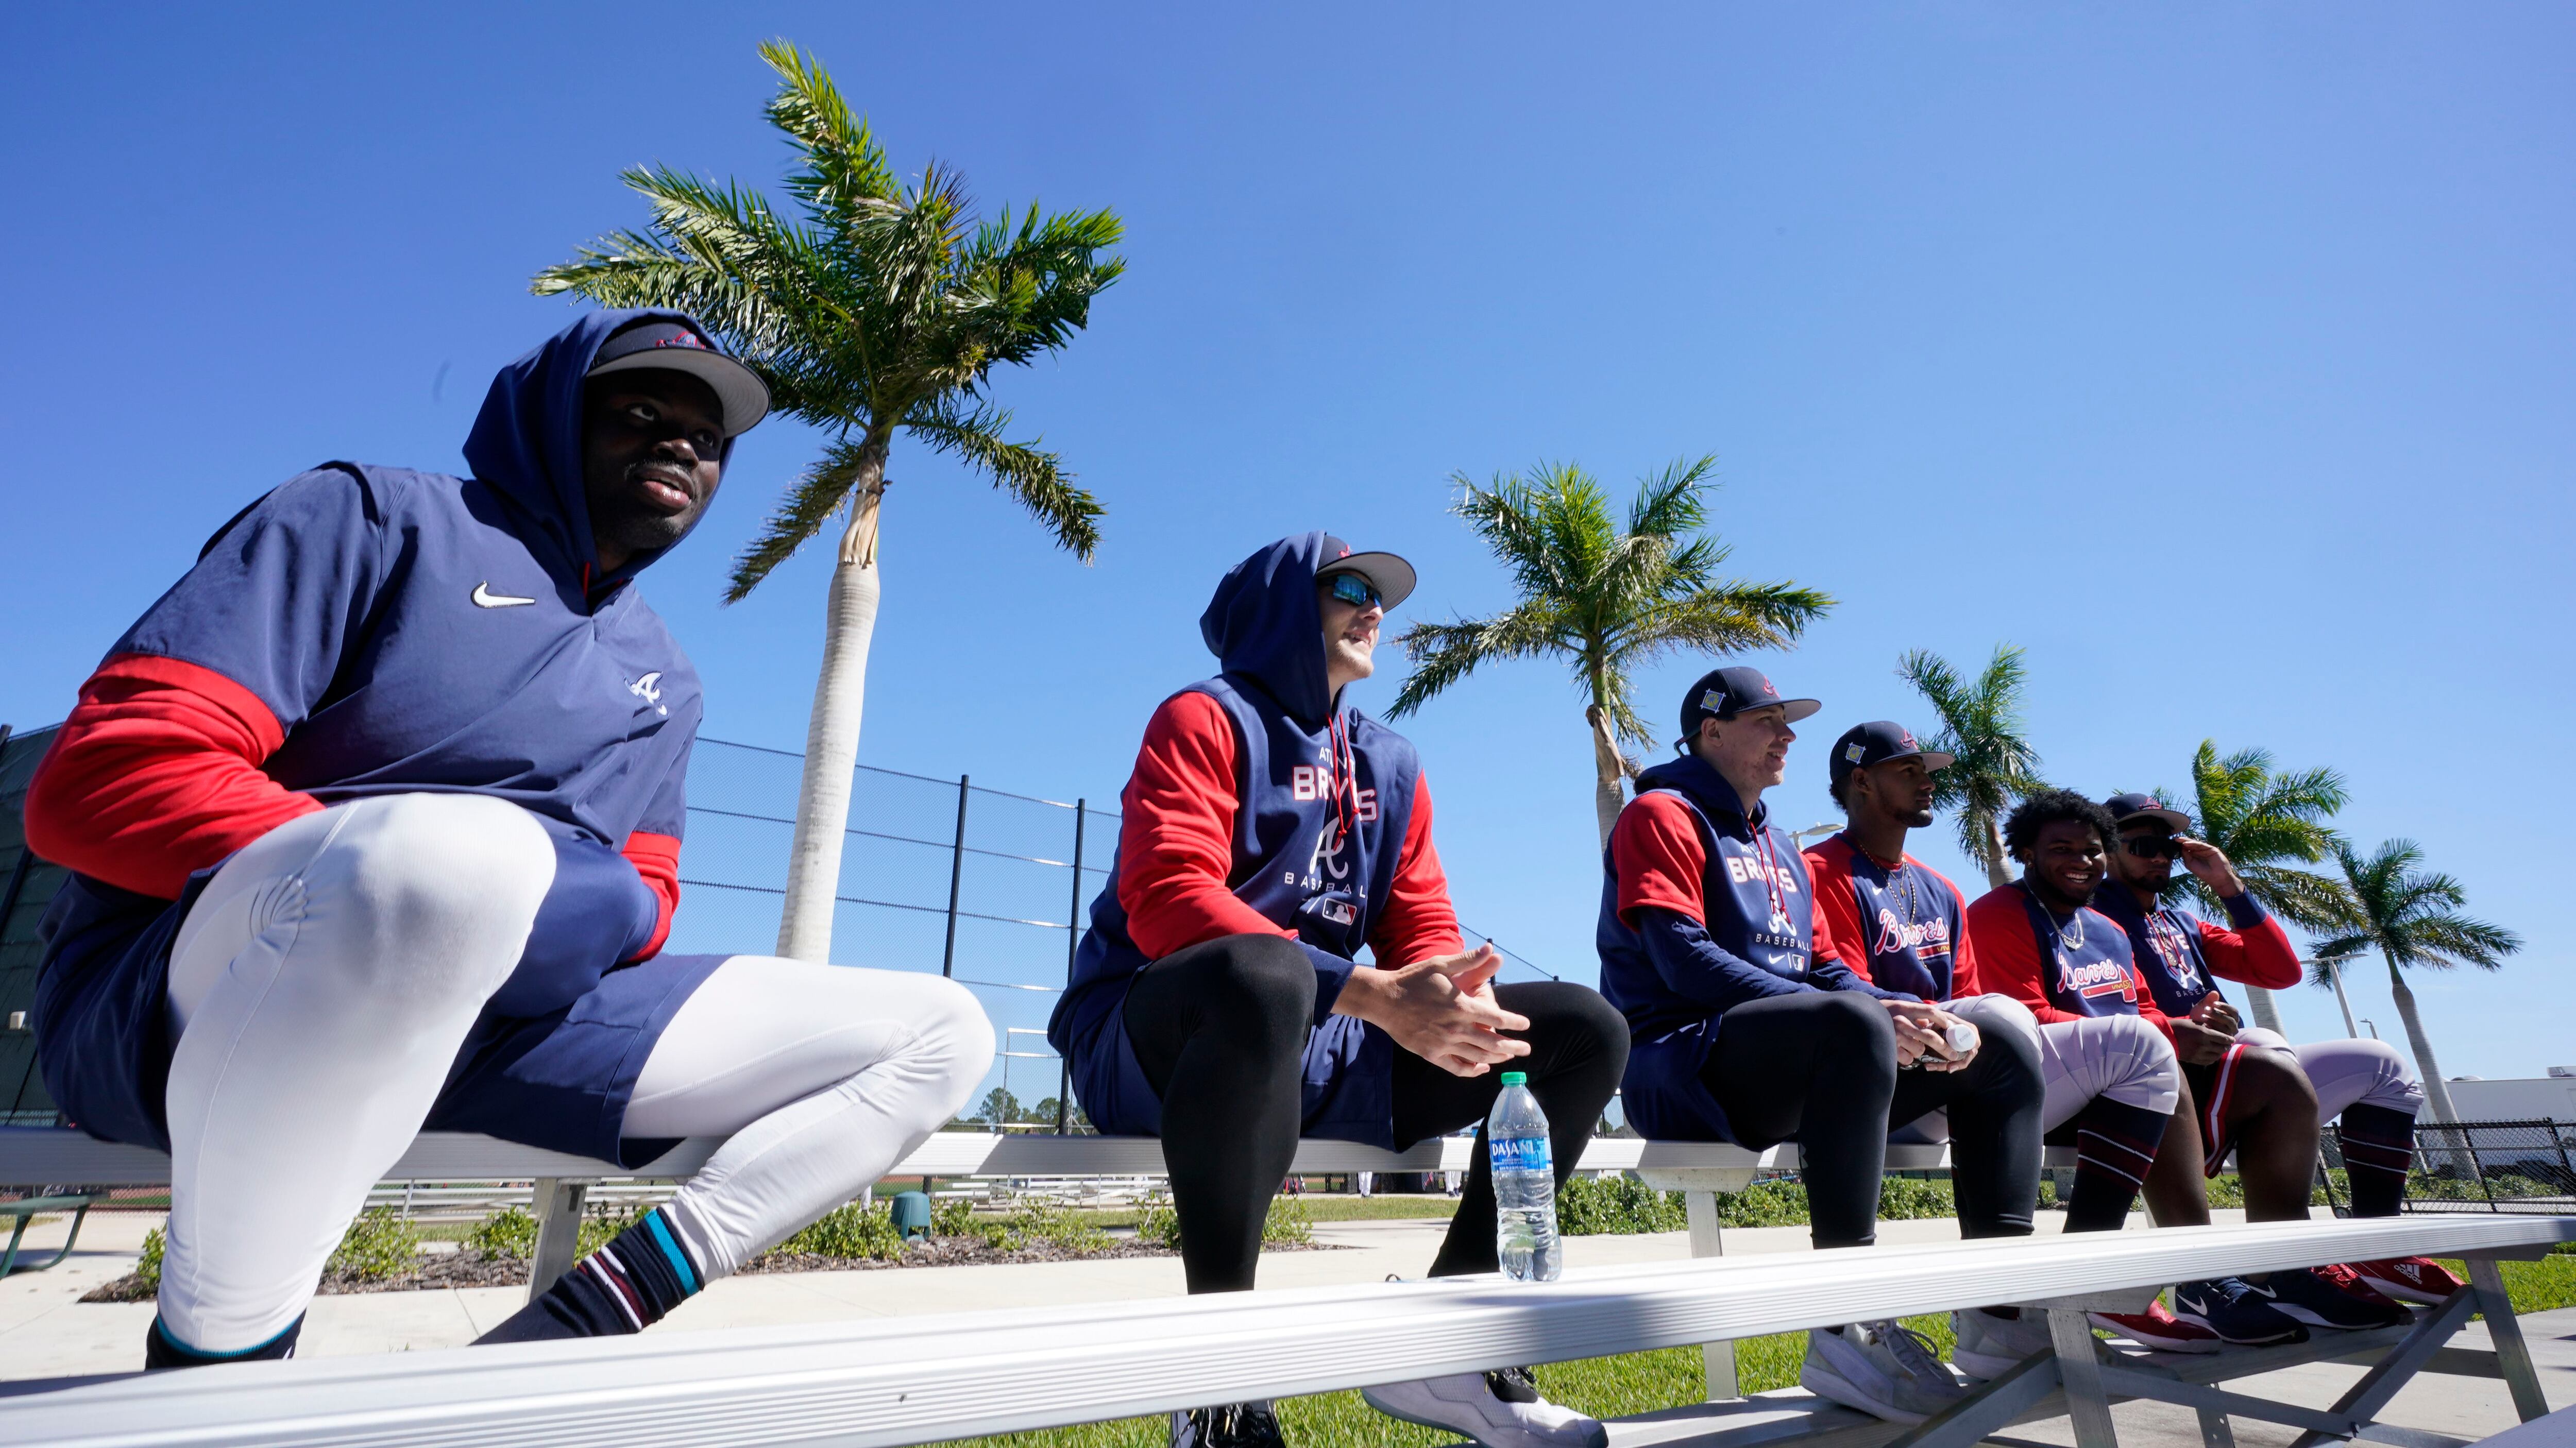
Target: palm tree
879, 307
2268, 822
1603, 599
1981, 724
2411, 917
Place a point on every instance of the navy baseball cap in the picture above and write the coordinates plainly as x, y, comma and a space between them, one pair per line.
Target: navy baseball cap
1725, 693
2141, 807
1863, 745
660, 346
1391, 576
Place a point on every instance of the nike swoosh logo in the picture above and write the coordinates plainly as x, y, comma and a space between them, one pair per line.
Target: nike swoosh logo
484, 597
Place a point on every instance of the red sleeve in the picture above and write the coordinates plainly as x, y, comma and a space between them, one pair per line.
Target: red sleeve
1964, 980
1660, 860
2261, 955
1837, 915
657, 859
2007, 956
1418, 921
1176, 842
156, 775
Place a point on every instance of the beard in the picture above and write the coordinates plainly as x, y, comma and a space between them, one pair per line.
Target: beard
1915, 819
637, 528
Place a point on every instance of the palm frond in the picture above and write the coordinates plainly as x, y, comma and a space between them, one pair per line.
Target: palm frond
1444, 653
810, 503
1035, 477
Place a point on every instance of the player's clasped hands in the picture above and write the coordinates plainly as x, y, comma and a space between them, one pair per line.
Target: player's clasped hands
1442, 1009
1923, 1036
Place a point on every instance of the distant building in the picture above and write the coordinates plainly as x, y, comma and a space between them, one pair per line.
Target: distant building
2552, 1096
27, 886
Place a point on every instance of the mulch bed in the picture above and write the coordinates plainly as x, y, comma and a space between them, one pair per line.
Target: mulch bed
467, 1268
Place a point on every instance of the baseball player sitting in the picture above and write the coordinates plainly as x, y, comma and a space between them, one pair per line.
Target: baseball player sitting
1752, 1026
2110, 1082
375, 822
2251, 1090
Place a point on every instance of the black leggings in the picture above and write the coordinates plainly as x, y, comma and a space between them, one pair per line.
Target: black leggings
1820, 1068
1220, 1030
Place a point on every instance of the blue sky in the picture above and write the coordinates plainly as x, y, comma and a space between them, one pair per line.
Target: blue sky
2218, 355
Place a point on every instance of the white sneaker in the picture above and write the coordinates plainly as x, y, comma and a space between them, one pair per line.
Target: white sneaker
1991, 1346
1883, 1369
1498, 1409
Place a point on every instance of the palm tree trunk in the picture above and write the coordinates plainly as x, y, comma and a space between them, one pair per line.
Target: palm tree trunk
1998, 871
832, 732
2267, 1012
2437, 1096
1608, 768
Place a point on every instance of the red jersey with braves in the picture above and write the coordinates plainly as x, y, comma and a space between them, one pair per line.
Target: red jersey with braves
2063, 969
1902, 925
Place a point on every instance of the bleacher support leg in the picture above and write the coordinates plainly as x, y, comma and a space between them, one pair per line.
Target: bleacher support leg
2513, 1355
1718, 1358
559, 1204
2088, 1407
2214, 1432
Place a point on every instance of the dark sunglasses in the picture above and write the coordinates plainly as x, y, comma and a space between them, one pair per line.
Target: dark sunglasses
2153, 847
1352, 589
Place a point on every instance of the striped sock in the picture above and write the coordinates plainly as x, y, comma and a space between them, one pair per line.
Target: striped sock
625, 1286
2115, 1143
2378, 1146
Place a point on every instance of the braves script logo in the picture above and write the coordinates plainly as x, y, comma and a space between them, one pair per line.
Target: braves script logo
2094, 978
1932, 936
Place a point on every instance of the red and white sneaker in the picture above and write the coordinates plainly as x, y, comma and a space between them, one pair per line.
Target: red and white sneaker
2343, 1278
2159, 1330
2408, 1279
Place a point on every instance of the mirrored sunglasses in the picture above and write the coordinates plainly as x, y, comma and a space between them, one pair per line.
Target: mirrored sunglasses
1354, 590
2153, 847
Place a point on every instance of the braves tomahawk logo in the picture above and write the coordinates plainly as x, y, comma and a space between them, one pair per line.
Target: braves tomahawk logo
649, 689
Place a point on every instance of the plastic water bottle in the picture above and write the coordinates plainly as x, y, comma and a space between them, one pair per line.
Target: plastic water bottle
1524, 1184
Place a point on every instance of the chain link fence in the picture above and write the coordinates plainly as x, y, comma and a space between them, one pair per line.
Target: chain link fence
2494, 1166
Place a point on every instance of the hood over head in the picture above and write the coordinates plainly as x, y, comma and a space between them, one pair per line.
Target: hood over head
526, 442
1264, 623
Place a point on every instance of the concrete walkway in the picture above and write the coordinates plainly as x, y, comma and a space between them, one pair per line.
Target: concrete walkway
45, 1331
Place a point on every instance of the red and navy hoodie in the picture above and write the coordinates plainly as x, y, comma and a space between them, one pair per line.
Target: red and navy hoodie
366, 631
1704, 906
1261, 805
2062, 970
2183, 957
1904, 926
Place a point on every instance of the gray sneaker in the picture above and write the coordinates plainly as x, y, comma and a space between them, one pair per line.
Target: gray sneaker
1498, 1409
1991, 1346
1881, 1368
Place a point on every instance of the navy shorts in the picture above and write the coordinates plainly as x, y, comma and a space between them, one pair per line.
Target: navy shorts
559, 1080
1348, 1080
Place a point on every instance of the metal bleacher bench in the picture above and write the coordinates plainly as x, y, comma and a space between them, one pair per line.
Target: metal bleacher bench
923, 1379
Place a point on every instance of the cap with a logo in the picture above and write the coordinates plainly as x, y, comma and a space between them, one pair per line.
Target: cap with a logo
1724, 693
1863, 745
1391, 576
658, 346
2143, 807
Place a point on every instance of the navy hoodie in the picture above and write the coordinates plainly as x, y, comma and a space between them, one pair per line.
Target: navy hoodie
410, 632
1322, 801
1705, 905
